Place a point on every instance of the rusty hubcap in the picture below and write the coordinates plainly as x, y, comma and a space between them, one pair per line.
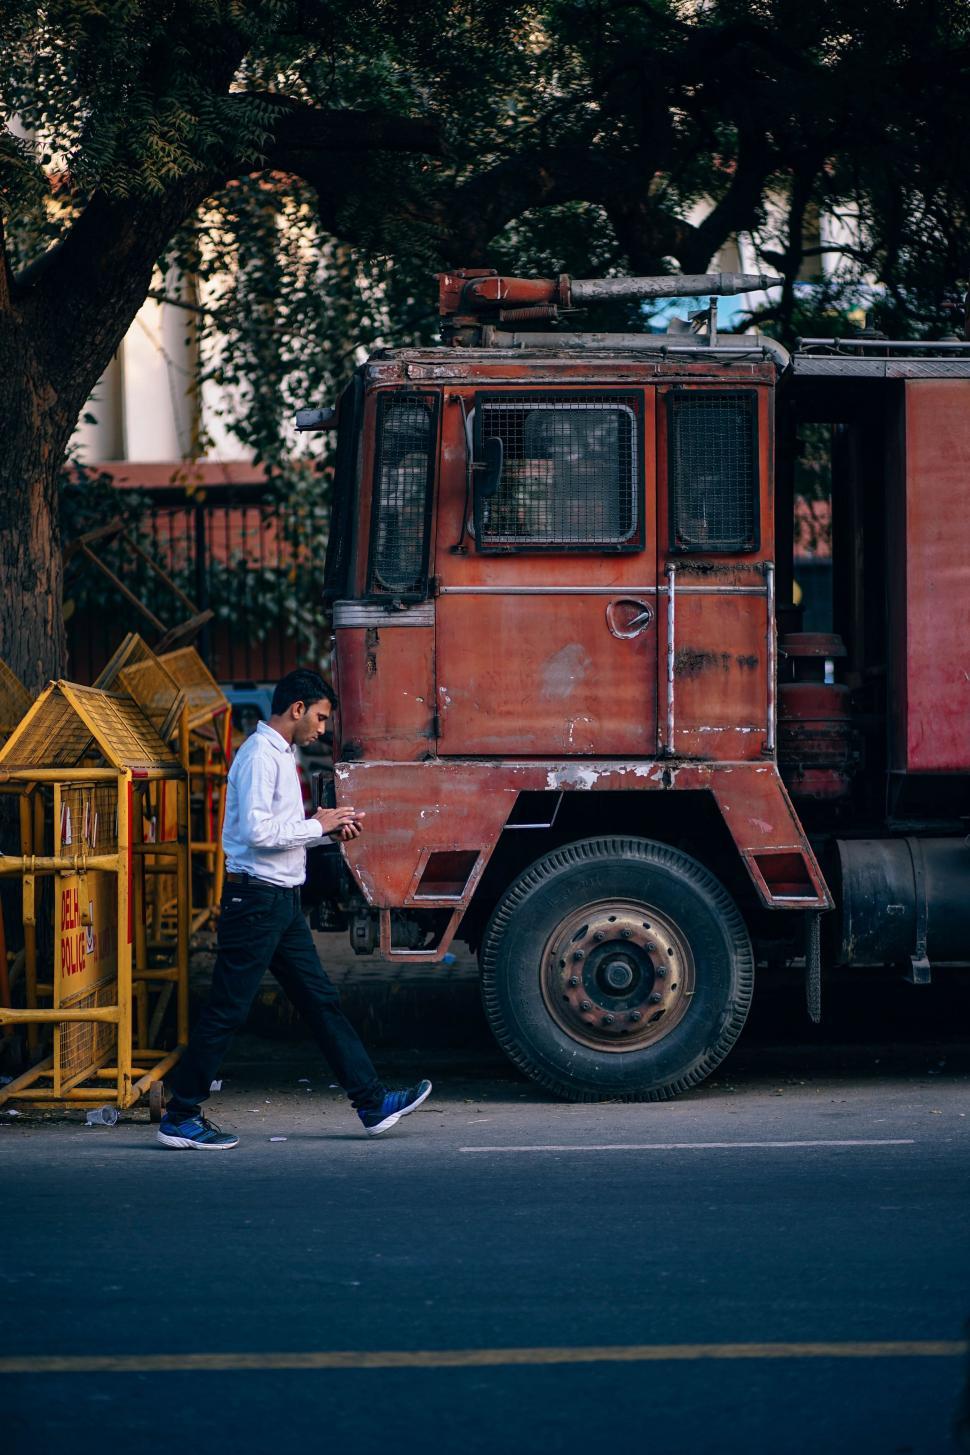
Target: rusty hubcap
617, 975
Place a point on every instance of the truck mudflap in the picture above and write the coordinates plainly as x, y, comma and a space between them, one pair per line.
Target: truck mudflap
754, 804
432, 827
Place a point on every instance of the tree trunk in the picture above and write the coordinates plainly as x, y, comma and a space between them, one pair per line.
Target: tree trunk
32, 444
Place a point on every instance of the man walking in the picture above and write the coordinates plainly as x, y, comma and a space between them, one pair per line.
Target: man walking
261, 926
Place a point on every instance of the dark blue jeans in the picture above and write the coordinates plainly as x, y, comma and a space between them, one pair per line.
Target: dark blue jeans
262, 928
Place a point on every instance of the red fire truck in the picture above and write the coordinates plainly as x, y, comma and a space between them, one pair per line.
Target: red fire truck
576, 704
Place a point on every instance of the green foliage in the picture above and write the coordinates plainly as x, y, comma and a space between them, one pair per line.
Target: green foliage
287, 311
121, 94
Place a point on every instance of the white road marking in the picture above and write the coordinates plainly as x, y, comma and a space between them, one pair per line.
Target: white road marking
699, 1146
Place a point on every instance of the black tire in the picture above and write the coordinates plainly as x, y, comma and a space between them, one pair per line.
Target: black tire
573, 1031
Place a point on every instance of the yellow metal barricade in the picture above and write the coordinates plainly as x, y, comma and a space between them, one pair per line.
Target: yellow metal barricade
89, 769
136, 669
207, 753
204, 730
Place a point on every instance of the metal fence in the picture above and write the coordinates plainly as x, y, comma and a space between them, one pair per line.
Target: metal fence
226, 548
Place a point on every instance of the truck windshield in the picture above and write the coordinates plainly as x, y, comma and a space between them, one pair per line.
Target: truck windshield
343, 500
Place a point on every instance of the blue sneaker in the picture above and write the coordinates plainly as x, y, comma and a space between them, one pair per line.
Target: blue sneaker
396, 1104
195, 1131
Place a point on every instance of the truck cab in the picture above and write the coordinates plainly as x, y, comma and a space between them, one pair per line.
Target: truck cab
565, 672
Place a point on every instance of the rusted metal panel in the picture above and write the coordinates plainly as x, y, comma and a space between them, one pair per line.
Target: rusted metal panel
413, 808
930, 606
494, 366
456, 805
720, 665
385, 683
535, 675
769, 836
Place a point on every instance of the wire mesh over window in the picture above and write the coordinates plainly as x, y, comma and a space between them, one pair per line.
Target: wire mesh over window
402, 496
570, 473
712, 470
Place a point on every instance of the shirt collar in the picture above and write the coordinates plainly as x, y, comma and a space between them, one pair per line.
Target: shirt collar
275, 739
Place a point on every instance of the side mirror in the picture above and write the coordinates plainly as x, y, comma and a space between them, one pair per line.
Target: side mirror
487, 475
491, 468
313, 419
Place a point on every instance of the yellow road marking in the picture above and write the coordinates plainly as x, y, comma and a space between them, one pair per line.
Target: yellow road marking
473, 1358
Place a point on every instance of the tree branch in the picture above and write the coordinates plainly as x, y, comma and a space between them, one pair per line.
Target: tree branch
79, 299
473, 212
804, 173
736, 210
99, 274
305, 133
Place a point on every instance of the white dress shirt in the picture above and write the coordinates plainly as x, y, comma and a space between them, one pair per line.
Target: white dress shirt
265, 832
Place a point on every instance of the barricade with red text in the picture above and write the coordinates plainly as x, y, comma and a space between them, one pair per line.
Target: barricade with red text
88, 769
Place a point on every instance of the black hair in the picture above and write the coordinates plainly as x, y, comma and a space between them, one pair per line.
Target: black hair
301, 686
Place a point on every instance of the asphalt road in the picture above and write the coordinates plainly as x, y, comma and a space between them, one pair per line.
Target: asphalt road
778, 1263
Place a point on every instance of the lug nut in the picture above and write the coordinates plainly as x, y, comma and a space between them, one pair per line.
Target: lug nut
636, 1015
574, 981
607, 1020
660, 971
586, 1005
599, 936
655, 999
626, 934
577, 955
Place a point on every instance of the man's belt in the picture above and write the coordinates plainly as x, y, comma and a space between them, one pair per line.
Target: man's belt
233, 878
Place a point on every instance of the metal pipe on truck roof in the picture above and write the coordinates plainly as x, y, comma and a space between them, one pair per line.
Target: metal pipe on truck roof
886, 345
672, 285
655, 343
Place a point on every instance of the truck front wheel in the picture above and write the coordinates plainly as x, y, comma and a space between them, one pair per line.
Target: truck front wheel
616, 968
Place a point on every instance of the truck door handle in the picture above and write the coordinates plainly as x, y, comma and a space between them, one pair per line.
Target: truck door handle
627, 617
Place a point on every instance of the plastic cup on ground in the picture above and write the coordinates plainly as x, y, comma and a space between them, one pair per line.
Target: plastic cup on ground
102, 1116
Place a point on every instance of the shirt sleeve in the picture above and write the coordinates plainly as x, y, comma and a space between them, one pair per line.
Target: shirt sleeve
261, 829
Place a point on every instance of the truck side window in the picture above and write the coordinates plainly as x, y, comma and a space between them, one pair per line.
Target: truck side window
404, 474
343, 502
712, 470
571, 473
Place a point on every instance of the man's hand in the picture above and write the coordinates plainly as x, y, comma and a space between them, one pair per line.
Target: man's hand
341, 824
